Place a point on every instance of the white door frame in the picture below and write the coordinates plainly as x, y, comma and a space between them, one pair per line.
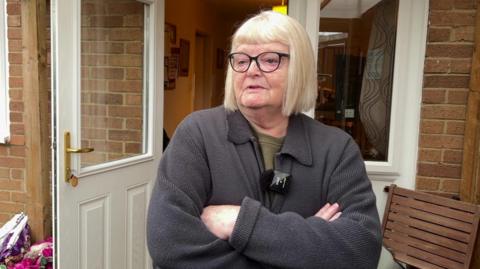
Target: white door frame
126, 253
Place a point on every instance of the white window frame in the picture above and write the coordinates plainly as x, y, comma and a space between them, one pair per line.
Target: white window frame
4, 100
407, 86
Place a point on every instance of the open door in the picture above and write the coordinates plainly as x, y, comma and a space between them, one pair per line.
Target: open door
107, 128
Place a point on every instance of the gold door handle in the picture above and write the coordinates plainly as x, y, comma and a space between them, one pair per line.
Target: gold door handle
81, 150
69, 177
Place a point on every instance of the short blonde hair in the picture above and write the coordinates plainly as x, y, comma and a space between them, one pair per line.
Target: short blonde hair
269, 26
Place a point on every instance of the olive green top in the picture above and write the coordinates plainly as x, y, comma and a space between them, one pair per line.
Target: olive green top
269, 146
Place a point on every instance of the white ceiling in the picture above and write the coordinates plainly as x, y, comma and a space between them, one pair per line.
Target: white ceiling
347, 8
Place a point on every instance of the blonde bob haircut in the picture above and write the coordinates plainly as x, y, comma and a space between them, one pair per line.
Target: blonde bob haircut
269, 26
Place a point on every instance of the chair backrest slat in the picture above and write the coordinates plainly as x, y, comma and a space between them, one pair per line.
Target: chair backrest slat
429, 231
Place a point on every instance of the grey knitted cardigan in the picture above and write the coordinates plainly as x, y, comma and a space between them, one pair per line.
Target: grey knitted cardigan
214, 158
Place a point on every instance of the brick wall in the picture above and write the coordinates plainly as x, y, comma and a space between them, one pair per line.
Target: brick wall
450, 44
112, 79
12, 156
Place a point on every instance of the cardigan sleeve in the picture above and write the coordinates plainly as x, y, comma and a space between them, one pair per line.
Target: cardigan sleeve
288, 240
176, 236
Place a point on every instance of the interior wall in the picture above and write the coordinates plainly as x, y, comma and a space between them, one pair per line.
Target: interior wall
189, 17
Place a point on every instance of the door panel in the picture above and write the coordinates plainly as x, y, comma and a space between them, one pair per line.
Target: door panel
107, 61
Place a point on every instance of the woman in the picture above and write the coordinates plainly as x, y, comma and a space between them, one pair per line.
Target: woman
257, 184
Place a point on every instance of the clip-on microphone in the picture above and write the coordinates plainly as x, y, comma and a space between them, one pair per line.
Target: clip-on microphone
275, 181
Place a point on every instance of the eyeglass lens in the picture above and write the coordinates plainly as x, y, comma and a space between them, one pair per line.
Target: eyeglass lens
266, 62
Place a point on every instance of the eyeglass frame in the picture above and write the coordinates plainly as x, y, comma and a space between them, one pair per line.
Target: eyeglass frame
255, 58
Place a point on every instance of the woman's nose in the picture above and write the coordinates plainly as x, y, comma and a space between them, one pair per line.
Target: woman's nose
253, 68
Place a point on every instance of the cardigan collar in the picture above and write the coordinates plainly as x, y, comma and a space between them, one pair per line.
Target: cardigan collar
296, 143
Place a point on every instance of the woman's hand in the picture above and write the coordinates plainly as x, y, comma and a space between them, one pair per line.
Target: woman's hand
329, 212
220, 219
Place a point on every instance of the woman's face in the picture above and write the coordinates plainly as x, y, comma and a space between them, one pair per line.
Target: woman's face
255, 89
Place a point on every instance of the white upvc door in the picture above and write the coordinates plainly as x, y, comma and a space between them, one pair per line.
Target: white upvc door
107, 59
400, 167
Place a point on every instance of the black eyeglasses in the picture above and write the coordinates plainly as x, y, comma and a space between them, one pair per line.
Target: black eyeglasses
267, 61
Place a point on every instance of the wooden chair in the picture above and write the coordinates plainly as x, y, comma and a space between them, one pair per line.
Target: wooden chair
427, 231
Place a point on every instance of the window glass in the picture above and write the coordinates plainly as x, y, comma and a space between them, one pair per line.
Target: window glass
356, 52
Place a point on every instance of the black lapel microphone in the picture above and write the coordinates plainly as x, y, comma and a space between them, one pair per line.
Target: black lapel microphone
276, 181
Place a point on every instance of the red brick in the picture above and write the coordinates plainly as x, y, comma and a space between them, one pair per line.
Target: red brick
441, 141
102, 146
102, 122
3, 151
94, 60
134, 124
464, 33
12, 185
16, 106
17, 151
16, 117
94, 134
465, 4
4, 218
449, 50
125, 135
107, 73
453, 156
103, 47
439, 170
125, 86
125, 60
125, 8
17, 129
428, 184
455, 127
441, 4
449, 112
96, 110
134, 73
106, 98
459, 97
430, 155
17, 173
12, 162
14, 33
11, 207
94, 34
135, 48
106, 21
134, 99
94, 8
439, 34
13, 8
15, 58
433, 96
14, 45
4, 172
452, 186
133, 148
133, 20
439, 81
437, 66
93, 158
19, 197
14, 21
125, 112
431, 127
452, 18
17, 140
15, 70
126, 34
94, 85
16, 94
15, 82
4, 196
461, 66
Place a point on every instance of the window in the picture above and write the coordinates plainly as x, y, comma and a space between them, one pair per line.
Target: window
4, 111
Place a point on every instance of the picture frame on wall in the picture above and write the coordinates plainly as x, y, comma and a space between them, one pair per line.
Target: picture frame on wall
171, 33
184, 58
